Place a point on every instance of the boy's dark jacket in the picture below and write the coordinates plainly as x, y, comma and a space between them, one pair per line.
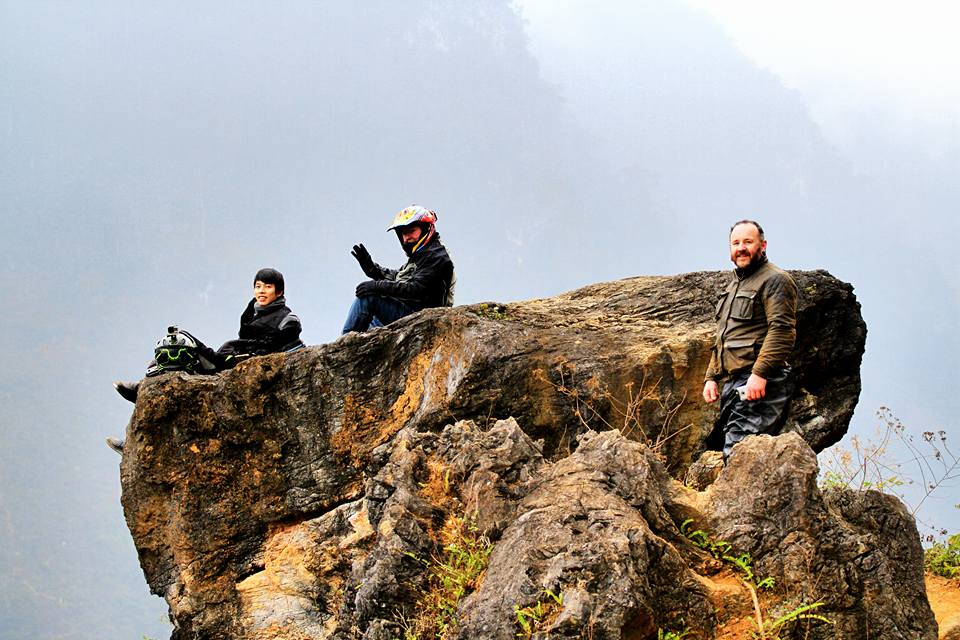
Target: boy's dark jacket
270, 329
426, 280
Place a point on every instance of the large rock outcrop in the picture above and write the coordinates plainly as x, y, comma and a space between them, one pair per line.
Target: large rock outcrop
303, 495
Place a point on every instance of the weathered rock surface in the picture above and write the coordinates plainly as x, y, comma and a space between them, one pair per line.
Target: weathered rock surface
298, 496
858, 552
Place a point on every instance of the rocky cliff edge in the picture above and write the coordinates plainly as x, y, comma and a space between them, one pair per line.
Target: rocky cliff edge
325, 493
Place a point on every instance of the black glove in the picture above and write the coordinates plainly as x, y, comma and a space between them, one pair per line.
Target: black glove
368, 288
366, 262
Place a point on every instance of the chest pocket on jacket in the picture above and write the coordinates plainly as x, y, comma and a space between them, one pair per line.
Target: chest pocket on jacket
742, 307
720, 301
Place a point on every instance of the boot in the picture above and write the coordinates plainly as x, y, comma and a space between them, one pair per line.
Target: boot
127, 389
116, 444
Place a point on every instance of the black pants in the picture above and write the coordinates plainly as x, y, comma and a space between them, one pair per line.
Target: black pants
742, 418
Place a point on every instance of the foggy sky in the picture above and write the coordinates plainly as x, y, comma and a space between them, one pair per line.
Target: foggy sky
153, 157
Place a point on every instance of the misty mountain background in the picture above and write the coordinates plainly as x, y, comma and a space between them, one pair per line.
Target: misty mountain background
154, 156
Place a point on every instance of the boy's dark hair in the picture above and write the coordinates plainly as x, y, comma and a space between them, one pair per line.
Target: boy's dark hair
270, 276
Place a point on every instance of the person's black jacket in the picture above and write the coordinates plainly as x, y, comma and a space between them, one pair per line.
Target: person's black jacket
269, 329
426, 280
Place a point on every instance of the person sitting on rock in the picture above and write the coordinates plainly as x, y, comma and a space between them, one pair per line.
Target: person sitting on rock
426, 280
266, 326
756, 331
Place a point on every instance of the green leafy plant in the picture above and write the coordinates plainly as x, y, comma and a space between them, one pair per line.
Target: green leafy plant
452, 575
943, 558
701, 539
492, 311
533, 618
528, 618
672, 635
773, 629
743, 564
722, 550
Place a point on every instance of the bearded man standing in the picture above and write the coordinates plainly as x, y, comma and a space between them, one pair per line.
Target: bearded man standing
756, 330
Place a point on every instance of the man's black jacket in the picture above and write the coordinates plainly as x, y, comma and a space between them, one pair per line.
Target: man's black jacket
426, 280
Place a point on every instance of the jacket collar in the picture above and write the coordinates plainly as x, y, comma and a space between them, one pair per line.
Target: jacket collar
432, 243
751, 268
255, 309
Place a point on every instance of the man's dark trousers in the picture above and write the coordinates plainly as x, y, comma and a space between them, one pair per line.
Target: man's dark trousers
742, 418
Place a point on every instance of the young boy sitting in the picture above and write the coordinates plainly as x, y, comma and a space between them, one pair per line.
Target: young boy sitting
266, 326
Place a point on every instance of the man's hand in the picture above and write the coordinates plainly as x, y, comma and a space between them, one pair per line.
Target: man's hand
756, 387
710, 391
368, 288
366, 262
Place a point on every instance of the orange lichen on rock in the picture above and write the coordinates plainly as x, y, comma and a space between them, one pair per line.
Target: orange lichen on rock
360, 430
426, 380
436, 489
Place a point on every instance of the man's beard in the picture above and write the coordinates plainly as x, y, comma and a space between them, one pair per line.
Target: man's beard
755, 259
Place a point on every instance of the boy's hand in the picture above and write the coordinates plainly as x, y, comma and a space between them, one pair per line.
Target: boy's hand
366, 262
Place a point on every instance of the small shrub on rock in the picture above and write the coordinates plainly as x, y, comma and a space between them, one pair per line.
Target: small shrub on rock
943, 559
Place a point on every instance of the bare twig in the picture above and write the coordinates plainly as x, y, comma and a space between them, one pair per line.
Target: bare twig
869, 465
625, 414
